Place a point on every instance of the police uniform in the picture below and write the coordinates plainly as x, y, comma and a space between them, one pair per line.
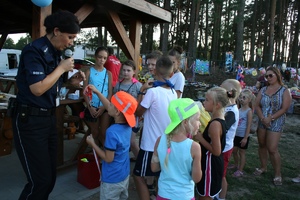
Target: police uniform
34, 122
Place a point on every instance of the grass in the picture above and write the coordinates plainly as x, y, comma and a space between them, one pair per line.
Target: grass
261, 187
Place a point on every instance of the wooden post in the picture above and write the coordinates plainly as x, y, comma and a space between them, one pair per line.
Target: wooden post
135, 38
38, 16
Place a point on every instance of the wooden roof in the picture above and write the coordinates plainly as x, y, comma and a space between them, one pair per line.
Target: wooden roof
21, 16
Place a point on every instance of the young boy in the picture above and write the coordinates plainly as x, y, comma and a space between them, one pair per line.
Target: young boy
115, 156
154, 107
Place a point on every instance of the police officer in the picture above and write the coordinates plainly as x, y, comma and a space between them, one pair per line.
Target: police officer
39, 80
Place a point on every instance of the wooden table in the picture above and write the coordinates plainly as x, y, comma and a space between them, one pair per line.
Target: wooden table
192, 89
9, 83
60, 113
6, 132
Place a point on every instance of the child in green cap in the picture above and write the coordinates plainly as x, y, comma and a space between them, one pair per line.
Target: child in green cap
176, 154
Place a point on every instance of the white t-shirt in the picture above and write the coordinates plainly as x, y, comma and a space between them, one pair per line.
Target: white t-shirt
156, 117
232, 129
178, 80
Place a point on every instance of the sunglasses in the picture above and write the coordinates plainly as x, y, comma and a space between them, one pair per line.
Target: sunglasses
269, 75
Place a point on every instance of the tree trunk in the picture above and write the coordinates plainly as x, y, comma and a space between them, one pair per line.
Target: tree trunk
165, 41
192, 36
266, 30
100, 36
240, 32
271, 36
143, 40
216, 31
253, 32
296, 46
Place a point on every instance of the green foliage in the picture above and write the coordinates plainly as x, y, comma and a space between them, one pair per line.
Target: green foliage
9, 44
88, 38
23, 41
122, 57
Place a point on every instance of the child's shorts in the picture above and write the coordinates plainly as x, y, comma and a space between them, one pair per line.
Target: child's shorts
114, 190
88, 117
237, 142
143, 164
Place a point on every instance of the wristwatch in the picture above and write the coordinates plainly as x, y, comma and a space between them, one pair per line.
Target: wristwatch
272, 118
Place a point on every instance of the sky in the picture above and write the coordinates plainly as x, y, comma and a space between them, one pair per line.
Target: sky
16, 36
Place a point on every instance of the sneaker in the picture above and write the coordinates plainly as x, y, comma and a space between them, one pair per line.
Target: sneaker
296, 180
238, 173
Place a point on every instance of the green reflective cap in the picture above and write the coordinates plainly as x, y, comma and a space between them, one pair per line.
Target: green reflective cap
179, 110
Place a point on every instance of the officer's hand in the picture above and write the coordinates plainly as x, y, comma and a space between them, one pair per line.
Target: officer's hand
67, 64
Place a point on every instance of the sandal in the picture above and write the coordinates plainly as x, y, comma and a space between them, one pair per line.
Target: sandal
277, 181
238, 173
259, 172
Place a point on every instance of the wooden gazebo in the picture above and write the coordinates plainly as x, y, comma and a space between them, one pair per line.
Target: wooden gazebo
22, 16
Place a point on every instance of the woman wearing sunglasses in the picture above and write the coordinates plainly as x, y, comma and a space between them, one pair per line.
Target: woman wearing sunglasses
272, 102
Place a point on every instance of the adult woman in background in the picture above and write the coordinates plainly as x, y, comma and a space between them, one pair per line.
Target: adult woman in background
272, 102
34, 123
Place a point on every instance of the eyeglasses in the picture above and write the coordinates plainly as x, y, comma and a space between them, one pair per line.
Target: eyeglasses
269, 75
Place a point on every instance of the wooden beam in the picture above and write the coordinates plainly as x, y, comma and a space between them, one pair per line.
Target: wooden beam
147, 8
38, 16
119, 33
84, 11
3, 39
135, 38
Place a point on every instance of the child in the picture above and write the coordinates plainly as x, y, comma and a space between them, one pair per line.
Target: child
241, 138
132, 86
154, 107
115, 156
95, 115
231, 118
151, 60
176, 155
178, 78
212, 143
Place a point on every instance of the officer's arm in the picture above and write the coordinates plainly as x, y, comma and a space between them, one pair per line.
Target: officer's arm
42, 86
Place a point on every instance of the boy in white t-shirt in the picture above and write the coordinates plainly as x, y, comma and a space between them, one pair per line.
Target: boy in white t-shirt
154, 108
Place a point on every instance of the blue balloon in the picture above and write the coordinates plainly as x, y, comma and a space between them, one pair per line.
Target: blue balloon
41, 3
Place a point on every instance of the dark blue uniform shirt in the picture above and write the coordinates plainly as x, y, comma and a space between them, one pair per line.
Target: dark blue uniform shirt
38, 59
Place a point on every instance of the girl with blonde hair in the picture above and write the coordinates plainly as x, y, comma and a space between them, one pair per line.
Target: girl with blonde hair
176, 154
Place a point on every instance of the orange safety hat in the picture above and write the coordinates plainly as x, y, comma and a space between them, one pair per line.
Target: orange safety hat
126, 104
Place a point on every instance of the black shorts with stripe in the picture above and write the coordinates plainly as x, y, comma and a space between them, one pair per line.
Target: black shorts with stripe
143, 164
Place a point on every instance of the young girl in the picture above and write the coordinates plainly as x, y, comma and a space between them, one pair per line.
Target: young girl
132, 86
232, 119
178, 78
241, 138
96, 116
176, 155
213, 142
